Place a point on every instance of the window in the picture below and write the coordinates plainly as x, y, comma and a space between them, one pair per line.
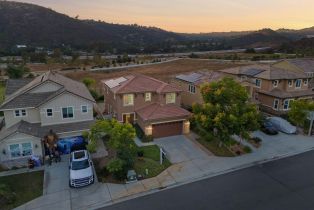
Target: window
84, 109
258, 83
298, 83
128, 100
276, 103
275, 83
20, 113
20, 150
27, 149
192, 88
286, 104
49, 112
67, 112
305, 82
170, 98
290, 83
148, 96
15, 150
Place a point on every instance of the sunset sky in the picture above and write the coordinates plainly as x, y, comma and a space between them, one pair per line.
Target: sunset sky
192, 15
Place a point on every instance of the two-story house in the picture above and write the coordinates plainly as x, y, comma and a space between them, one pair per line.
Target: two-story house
273, 87
32, 108
152, 104
191, 83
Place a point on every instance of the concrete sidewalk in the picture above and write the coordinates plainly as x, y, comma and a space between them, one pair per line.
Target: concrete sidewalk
99, 195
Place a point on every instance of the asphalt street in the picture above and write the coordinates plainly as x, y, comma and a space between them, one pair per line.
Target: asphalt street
283, 184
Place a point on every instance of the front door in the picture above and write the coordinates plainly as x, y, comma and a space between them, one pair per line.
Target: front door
128, 118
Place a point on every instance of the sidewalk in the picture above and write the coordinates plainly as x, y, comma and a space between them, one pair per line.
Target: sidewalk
99, 194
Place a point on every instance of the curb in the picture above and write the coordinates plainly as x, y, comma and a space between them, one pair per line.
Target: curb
205, 176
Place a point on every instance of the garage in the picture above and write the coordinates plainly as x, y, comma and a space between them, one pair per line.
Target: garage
167, 129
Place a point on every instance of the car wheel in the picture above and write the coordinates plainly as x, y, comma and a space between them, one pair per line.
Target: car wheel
70, 184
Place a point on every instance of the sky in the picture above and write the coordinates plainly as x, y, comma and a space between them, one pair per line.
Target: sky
192, 16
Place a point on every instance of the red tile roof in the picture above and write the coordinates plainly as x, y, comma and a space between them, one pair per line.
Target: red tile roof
140, 83
159, 111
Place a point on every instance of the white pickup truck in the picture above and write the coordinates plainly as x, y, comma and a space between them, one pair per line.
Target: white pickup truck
81, 170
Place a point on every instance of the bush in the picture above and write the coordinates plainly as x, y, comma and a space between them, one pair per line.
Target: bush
91, 147
139, 132
94, 94
85, 135
117, 168
140, 153
247, 149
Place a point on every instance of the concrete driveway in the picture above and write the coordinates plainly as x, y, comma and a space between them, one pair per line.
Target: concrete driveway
181, 149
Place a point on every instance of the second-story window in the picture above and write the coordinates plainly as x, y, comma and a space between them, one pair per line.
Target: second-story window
49, 112
148, 96
298, 83
170, 98
258, 82
192, 88
67, 112
128, 99
275, 83
20, 113
290, 83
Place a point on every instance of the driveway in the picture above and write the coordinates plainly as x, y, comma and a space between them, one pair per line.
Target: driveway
181, 149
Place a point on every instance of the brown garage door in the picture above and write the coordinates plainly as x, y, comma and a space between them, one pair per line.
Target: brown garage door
167, 129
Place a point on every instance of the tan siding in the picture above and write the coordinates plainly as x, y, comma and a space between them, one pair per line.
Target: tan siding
66, 100
17, 139
32, 117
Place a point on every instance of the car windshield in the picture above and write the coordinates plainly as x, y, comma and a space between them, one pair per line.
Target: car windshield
78, 165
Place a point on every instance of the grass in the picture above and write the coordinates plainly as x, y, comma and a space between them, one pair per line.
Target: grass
2, 92
150, 161
213, 146
27, 186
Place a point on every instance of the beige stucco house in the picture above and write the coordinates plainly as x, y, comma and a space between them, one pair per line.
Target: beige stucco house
34, 107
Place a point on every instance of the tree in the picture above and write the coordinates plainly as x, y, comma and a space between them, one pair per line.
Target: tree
226, 110
299, 111
117, 168
15, 72
88, 82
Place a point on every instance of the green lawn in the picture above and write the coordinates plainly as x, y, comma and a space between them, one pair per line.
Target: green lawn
26, 186
150, 161
215, 148
2, 92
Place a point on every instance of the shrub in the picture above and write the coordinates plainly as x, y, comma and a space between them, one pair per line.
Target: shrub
139, 132
91, 147
247, 149
94, 94
140, 153
117, 168
85, 135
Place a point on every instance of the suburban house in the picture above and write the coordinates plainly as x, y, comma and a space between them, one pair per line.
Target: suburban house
152, 104
33, 108
272, 87
191, 83
305, 65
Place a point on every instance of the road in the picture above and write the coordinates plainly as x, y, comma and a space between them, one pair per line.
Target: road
286, 184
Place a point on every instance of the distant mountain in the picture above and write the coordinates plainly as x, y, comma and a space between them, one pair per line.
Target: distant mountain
29, 24
304, 46
36, 26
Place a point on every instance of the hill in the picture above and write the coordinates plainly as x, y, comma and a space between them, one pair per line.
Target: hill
29, 24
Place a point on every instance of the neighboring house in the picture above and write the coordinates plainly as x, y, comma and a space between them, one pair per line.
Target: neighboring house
272, 87
191, 83
34, 107
152, 104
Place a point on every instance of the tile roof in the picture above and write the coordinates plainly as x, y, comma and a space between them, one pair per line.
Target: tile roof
286, 94
138, 83
15, 84
201, 77
157, 111
265, 71
66, 84
305, 64
35, 129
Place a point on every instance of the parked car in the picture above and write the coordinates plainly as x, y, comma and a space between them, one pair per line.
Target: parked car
268, 128
283, 125
81, 170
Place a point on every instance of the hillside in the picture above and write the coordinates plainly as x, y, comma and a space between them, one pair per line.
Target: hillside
29, 24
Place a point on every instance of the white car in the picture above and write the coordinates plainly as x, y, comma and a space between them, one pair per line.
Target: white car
283, 125
81, 170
